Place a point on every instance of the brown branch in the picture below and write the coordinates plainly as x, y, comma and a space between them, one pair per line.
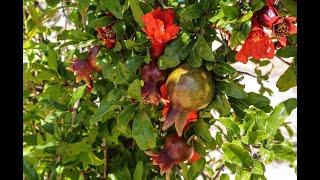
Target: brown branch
105, 153
218, 173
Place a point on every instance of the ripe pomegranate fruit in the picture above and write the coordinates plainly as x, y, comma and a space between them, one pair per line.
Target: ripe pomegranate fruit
267, 16
189, 90
175, 150
151, 75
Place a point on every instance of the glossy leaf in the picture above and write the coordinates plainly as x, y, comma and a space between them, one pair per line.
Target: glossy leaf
142, 131
236, 154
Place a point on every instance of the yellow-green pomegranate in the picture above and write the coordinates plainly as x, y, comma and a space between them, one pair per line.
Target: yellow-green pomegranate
189, 89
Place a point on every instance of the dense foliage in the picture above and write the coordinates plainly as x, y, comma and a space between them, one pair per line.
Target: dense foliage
95, 99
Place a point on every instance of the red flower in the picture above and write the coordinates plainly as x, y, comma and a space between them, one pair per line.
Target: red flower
175, 150
151, 75
191, 117
107, 35
267, 16
283, 27
84, 68
160, 29
257, 45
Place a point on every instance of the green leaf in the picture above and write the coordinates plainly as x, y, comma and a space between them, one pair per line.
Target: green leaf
258, 167
170, 58
136, 11
230, 12
283, 152
290, 6
74, 35
288, 79
89, 158
138, 171
255, 137
118, 72
246, 17
221, 68
92, 134
196, 168
219, 15
77, 94
133, 63
194, 60
202, 129
142, 131
231, 89
258, 101
287, 51
230, 125
52, 3
107, 104
221, 104
52, 60
237, 155
83, 6
192, 11
219, 138
134, 45
290, 104
200, 148
135, 88
203, 49
166, 62
235, 40
257, 4
102, 21
124, 117
224, 177
147, 58
113, 6
123, 173
186, 49
242, 175
276, 118
29, 170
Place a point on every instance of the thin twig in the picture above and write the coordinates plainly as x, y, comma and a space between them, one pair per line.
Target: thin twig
284, 60
105, 153
246, 73
218, 173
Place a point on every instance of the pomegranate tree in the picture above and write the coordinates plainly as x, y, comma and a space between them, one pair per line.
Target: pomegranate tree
162, 91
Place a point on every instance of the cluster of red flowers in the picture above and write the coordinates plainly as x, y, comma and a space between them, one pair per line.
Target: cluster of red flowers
84, 68
258, 44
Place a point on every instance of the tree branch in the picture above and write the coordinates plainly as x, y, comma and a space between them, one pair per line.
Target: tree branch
105, 153
246, 73
218, 173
